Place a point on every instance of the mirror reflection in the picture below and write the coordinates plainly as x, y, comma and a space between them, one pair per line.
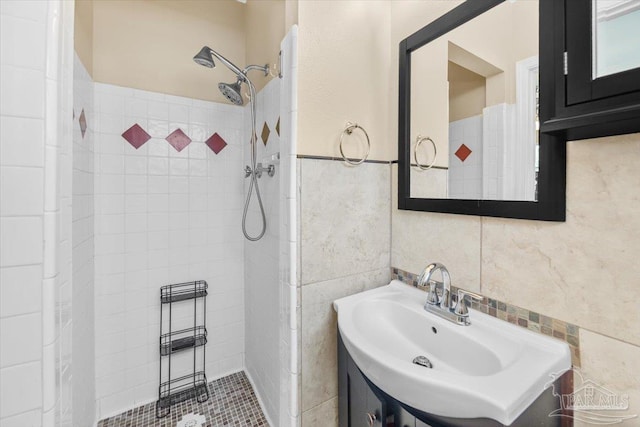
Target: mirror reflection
474, 108
616, 36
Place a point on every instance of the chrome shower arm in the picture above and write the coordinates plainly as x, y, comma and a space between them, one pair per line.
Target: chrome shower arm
264, 68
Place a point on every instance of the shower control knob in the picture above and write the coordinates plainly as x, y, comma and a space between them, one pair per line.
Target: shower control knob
247, 171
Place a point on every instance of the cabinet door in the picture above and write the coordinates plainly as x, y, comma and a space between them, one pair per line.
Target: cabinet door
589, 68
602, 50
402, 418
405, 419
365, 408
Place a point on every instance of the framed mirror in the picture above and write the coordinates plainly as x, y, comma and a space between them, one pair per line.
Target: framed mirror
471, 97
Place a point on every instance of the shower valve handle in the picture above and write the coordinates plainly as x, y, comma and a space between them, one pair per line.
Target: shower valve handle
247, 171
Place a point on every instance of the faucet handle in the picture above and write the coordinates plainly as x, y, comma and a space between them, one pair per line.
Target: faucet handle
432, 294
423, 282
461, 306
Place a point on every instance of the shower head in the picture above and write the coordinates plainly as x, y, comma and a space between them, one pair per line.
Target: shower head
232, 92
204, 57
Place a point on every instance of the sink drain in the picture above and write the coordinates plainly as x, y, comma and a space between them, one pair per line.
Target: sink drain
423, 361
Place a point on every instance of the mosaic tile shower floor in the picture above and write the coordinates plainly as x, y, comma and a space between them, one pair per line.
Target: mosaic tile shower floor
232, 402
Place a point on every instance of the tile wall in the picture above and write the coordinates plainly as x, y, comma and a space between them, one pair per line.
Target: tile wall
289, 235
465, 158
35, 213
340, 205
58, 388
493, 139
270, 263
430, 183
22, 168
83, 400
262, 258
167, 209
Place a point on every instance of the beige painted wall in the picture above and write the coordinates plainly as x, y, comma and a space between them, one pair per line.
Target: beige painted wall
344, 62
148, 44
467, 93
265, 23
83, 33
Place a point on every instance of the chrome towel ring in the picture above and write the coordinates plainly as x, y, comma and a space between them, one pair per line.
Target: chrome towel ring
348, 131
419, 140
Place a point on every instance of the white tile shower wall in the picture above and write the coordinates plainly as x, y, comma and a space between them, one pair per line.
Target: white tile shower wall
493, 149
262, 257
512, 167
465, 176
163, 216
60, 105
289, 301
22, 124
83, 396
35, 197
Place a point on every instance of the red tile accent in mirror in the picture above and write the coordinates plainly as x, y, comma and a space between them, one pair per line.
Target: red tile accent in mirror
463, 152
178, 139
216, 143
136, 136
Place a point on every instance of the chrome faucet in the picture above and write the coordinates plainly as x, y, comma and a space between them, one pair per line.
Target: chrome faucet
441, 304
425, 279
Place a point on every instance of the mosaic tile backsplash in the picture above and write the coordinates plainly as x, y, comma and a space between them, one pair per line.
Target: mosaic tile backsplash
517, 315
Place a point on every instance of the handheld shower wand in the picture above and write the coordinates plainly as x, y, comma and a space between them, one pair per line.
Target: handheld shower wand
232, 91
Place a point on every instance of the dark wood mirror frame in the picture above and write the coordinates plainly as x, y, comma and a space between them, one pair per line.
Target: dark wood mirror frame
550, 205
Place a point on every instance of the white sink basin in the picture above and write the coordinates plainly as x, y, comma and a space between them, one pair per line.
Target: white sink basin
489, 369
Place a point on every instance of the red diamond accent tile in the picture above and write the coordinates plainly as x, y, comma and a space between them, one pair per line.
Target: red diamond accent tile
265, 133
463, 152
216, 143
178, 140
83, 123
136, 136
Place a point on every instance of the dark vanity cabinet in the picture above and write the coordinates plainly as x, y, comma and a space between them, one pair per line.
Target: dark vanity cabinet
362, 404
590, 69
359, 405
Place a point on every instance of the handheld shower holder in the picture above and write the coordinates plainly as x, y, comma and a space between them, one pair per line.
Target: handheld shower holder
269, 169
